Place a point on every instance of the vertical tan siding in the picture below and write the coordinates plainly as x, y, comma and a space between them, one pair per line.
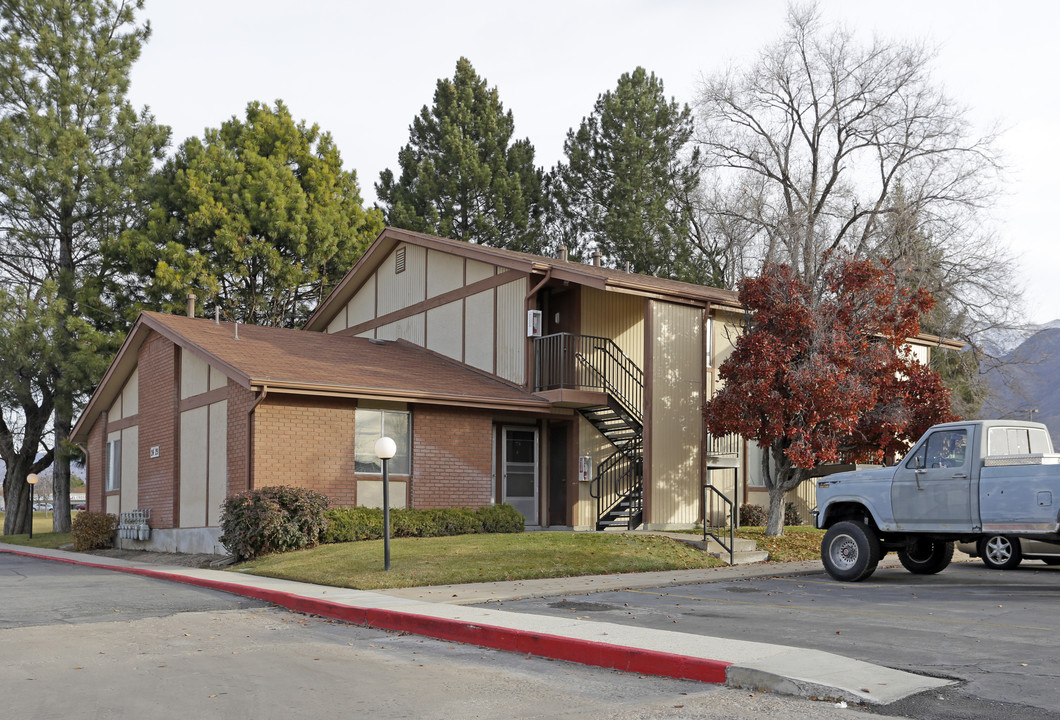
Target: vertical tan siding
362, 307
193, 466
445, 272
445, 330
218, 379
113, 504
412, 328
338, 322
676, 415
115, 410
478, 341
194, 375
399, 290
596, 446
479, 271
130, 459
511, 331
724, 480
217, 467
727, 328
616, 316
130, 395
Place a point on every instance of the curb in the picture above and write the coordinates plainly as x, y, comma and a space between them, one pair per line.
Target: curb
556, 647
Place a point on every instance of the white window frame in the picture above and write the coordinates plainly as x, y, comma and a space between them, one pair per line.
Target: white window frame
365, 460
112, 466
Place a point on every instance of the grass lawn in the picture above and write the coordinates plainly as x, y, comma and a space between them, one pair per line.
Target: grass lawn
478, 558
802, 542
43, 537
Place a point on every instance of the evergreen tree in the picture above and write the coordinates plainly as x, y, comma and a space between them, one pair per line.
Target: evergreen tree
628, 183
462, 176
73, 151
259, 216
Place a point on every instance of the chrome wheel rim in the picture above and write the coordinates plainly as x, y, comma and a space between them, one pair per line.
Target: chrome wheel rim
998, 550
843, 551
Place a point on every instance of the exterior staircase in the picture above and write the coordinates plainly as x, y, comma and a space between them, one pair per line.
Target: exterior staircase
588, 362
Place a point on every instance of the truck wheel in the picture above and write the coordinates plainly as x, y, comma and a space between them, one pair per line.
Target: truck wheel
850, 551
1000, 552
926, 557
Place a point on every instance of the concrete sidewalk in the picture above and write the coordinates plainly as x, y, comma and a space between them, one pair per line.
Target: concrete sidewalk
440, 612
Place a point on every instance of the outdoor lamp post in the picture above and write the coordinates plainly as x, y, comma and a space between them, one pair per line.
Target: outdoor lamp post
385, 448
32, 480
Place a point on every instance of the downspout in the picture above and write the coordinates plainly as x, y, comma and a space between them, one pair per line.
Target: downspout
250, 435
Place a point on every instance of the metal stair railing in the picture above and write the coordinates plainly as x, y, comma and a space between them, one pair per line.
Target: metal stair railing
617, 479
710, 494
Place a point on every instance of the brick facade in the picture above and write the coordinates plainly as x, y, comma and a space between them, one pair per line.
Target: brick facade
96, 447
159, 365
306, 442
451, 457
240, 401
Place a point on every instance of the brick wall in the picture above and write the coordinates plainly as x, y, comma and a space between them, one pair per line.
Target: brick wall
451, 457
240, 400
158, 391
306, 442
96, 446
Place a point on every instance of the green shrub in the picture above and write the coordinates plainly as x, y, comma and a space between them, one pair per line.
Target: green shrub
501, 518
92, 530
791, 515
273, 519
755, 515
358, 523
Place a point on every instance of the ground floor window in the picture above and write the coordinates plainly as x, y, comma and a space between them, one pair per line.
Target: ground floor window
112, 465
372, 424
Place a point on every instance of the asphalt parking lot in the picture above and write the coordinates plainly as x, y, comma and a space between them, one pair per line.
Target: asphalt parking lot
992, 630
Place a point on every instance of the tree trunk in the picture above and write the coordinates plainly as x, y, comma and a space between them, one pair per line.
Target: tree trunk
775, 524
16, 499
61, 473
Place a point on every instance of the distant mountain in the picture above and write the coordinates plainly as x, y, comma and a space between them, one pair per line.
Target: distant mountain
1002, 342
1024, 385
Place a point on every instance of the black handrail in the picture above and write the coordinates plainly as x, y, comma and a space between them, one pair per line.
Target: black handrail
617, 477
709, 494
589, 362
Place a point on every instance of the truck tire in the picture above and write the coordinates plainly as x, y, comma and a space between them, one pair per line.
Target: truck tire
850, 551
1000, 552
926, 557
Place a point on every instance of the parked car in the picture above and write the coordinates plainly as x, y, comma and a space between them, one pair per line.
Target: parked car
1004, 552
80, 507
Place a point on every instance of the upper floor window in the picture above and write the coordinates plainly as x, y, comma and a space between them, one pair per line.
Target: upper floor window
372, 424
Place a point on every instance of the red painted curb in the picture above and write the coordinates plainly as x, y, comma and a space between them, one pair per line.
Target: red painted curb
585, 652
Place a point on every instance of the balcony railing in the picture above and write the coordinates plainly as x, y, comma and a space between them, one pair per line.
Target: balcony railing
588, 362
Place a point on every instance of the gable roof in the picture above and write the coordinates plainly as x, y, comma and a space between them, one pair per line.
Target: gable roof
601, 278
296, 361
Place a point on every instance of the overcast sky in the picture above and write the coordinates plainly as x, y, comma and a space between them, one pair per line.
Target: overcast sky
363, 70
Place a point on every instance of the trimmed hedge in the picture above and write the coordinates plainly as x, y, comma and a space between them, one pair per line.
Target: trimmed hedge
756, 515
92, 530
273, 519
349, 524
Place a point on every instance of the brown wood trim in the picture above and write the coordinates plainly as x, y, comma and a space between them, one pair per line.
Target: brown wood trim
431, 303
175, 387
206, 398
649, 352
128, 422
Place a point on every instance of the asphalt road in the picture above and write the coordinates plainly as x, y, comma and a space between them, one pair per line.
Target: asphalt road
995, 631
81, 642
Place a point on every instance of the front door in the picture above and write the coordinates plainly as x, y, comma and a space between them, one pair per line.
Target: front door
557, 474
519, 471
932, 486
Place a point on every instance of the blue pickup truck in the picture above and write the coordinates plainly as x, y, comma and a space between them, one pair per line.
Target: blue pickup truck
961, 482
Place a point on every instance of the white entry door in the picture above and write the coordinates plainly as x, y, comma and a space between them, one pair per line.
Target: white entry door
519, 471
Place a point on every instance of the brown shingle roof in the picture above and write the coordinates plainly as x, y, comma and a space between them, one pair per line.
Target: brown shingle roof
312, 363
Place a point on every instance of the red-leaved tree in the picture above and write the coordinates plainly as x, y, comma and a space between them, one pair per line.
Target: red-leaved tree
822, 375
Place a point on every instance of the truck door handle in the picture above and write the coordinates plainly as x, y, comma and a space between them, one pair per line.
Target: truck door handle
960, 475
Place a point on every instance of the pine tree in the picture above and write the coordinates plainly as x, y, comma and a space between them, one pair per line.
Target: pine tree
462, 176
628, 182
73, 152
258, 217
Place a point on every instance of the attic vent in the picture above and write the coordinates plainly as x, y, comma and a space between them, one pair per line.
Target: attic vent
399, 261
